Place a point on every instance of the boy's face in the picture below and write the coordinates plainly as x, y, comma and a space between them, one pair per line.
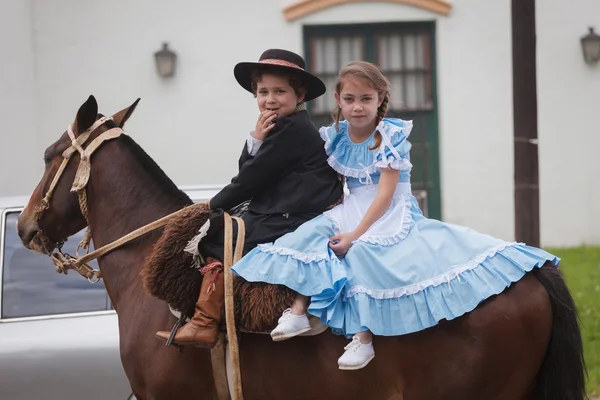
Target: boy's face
274, 93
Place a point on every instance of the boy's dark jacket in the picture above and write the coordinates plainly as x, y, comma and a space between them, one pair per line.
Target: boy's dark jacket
288, 182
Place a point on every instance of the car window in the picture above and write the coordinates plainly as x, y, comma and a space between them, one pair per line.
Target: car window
32, 287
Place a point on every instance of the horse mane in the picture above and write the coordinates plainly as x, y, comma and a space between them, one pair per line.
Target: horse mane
158, 175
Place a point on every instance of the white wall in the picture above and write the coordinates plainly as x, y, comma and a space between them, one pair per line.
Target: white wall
568, 112
20, 162
476, 118
194, 124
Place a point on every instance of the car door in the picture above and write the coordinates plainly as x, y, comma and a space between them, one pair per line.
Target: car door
59, 336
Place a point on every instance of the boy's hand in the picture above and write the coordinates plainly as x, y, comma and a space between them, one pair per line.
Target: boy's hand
266, 122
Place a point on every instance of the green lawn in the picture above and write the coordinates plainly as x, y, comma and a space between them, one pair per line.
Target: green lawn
581, 267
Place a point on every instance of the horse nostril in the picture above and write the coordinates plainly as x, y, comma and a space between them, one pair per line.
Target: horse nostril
27, 237
26, 232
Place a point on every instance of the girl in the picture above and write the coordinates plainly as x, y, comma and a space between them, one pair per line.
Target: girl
375, 264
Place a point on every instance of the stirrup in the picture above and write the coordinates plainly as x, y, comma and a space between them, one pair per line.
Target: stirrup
180, 322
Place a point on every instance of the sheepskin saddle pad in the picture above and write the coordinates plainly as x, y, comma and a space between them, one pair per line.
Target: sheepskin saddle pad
172, 274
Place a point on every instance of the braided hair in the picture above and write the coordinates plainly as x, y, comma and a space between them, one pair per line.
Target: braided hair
381, 112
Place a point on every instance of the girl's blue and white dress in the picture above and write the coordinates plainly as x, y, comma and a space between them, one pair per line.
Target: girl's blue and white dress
407, 272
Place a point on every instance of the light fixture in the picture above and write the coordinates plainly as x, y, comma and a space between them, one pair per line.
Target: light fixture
590, 44
166, 61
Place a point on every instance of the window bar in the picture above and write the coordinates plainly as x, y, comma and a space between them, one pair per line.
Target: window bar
403, 71
428, 64
425, 153
419, 76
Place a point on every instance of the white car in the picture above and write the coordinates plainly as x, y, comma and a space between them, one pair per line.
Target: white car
59, 337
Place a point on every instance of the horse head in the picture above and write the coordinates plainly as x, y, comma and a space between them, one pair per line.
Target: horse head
53, 212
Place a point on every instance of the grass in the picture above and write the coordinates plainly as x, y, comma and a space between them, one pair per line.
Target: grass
581, 267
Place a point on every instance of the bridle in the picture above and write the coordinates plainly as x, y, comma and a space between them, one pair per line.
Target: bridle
65, 262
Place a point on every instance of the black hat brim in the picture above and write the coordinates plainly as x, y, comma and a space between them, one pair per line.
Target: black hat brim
243, 74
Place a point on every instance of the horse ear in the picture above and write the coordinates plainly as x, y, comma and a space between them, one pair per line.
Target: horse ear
86, 116
122, 116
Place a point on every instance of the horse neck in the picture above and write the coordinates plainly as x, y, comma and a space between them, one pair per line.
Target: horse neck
125, 193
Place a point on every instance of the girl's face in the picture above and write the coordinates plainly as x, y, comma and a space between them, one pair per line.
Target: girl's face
359, 103
274, 93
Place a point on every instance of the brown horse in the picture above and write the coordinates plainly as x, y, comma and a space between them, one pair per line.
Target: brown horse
522, 344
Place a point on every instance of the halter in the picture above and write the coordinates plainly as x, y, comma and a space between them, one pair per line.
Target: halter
64, 262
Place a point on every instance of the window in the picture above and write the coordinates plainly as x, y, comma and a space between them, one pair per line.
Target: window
32, 287
405, 53
405, 59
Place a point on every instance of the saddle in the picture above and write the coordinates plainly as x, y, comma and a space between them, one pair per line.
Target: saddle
172, 274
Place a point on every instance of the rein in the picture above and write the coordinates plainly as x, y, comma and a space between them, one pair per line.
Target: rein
65, 262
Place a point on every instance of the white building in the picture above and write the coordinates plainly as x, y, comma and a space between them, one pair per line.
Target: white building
450, 63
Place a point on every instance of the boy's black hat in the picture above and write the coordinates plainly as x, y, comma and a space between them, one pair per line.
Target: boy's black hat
284, 60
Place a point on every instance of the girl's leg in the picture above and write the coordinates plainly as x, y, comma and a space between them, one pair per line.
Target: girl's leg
300, 305
294, 321
359, 352
365, 337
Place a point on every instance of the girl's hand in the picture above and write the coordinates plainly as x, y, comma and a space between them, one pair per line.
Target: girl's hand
340, 244
266, 122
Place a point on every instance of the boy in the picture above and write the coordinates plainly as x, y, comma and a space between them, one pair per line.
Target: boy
283, 171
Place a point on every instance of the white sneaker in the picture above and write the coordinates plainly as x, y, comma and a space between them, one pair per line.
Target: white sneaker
290, 325
357, 355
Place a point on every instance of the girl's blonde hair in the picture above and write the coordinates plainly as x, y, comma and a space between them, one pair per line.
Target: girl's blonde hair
374, 77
